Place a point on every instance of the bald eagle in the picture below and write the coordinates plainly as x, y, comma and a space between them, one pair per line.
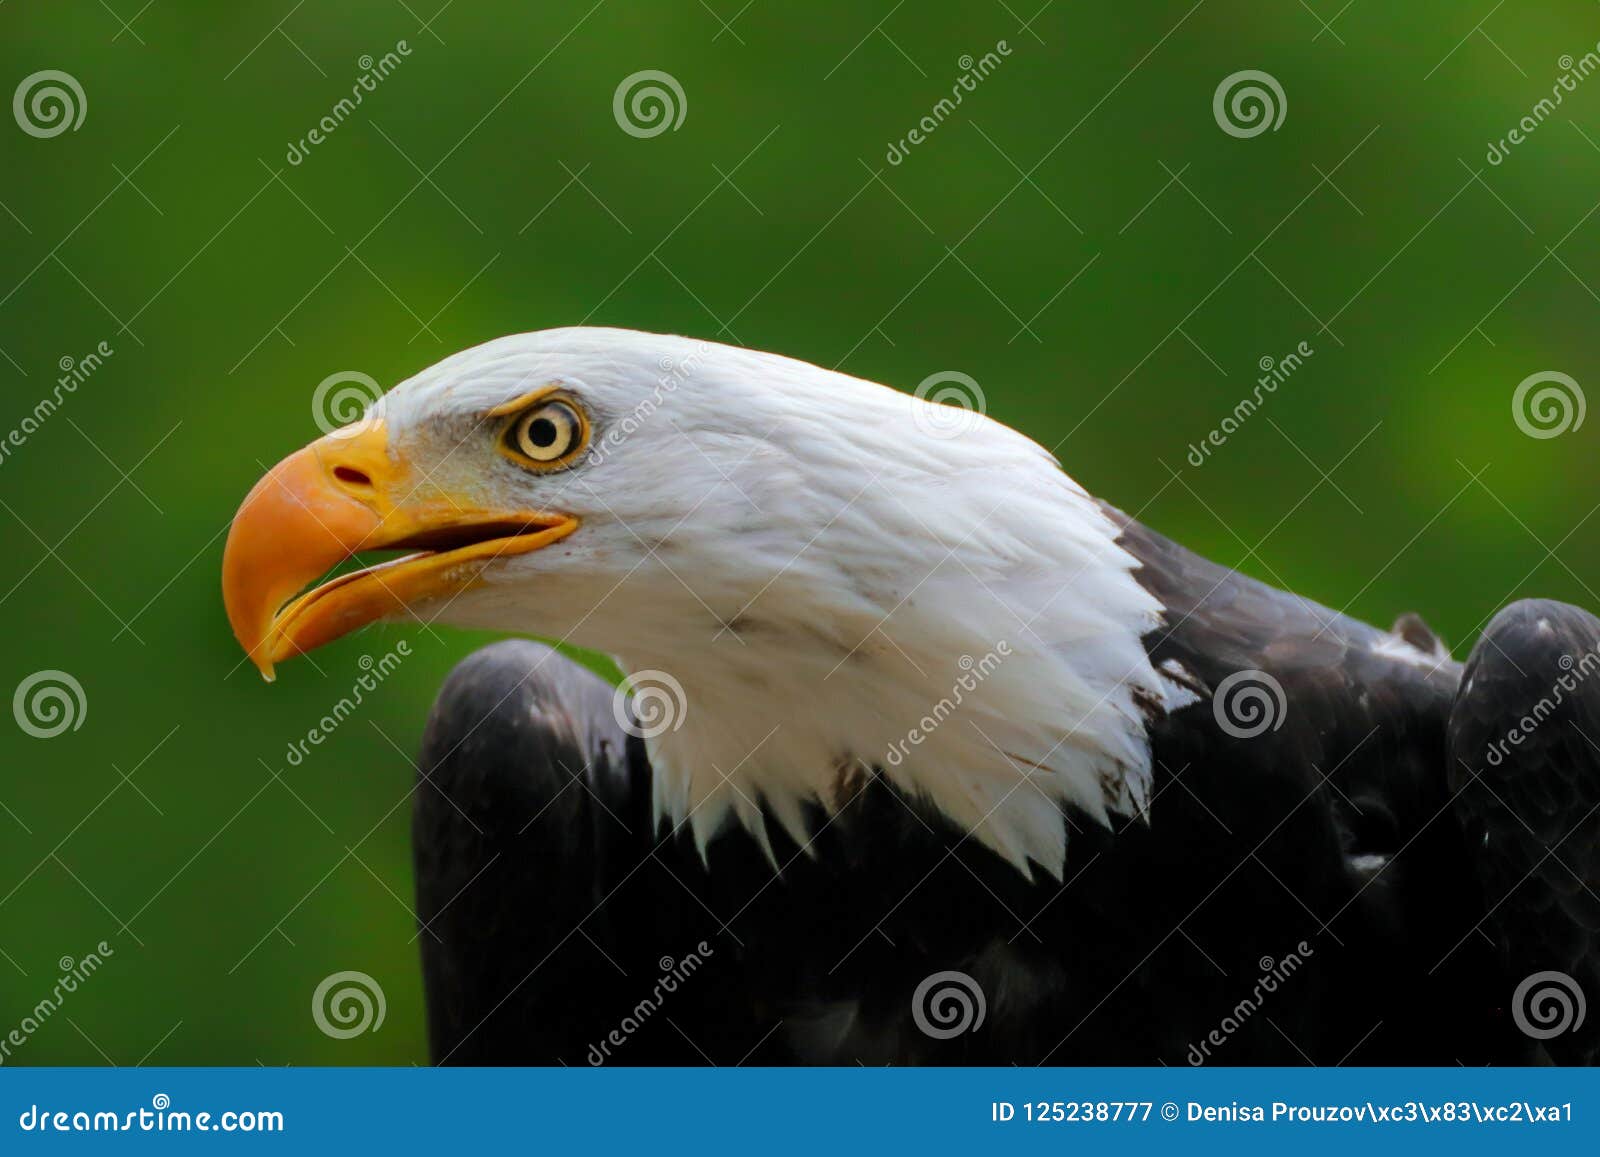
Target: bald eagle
925, 754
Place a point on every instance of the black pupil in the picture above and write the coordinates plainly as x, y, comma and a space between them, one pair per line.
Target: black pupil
542, 433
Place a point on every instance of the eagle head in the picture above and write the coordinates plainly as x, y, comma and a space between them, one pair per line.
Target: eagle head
835, 579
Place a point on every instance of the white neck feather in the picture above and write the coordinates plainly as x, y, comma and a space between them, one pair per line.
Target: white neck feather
955, 612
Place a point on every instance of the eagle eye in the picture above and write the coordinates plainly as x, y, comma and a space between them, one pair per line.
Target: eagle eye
546, 435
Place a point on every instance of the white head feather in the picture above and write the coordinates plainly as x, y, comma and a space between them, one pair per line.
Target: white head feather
835, 583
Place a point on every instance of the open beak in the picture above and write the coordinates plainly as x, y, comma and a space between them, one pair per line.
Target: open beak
347, 493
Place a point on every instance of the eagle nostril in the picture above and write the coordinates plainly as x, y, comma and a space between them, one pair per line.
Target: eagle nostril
350, 476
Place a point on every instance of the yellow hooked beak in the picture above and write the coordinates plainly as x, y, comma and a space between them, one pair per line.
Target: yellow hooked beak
347, 493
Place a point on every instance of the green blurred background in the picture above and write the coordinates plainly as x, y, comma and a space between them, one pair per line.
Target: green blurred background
1079, 236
